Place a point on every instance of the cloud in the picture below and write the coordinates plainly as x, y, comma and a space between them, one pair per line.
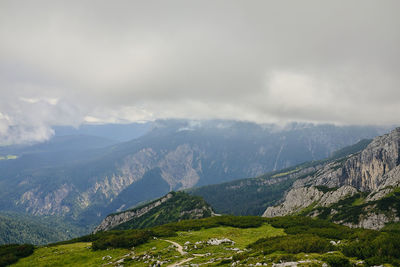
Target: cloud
64, 62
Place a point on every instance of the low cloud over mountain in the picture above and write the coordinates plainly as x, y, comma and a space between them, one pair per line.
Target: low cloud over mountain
96, 61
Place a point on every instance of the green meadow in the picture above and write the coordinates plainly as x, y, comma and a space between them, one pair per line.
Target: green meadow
227, 241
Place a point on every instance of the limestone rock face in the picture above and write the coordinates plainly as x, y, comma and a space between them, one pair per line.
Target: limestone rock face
375, 170
366, 171
374, 221
327, 175
40, 203
332, 197
179, 168
300, 198
296, 200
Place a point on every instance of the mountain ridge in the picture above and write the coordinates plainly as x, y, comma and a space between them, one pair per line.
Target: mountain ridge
252, 196
182, 154
371, 176
173, 207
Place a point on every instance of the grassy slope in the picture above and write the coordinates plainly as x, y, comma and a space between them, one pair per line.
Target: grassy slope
170, 211
257, 240
78, 254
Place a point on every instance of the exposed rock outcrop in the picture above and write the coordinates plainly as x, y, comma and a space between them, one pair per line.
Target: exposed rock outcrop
374, 220
38, 202
375, 171
179, 168
301, 198
366, 170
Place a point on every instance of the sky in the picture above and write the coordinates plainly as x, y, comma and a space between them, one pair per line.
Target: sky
75, 62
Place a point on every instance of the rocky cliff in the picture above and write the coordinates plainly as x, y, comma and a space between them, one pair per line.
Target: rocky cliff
363, 185
366, 171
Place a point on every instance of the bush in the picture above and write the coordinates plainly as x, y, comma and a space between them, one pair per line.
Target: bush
288, 222
241, 222
122, 239
283, 258
12, 253
335, 260
376, 247
376, 261
240, 256
224, 262
293, 244
306, 225
233, 221
8, 259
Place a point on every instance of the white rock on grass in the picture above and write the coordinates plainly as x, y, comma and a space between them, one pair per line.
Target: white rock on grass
217, 242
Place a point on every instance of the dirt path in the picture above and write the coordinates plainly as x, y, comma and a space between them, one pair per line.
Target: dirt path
179, 248
180, 263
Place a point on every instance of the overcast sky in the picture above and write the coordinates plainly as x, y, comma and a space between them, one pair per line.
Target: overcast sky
73, 62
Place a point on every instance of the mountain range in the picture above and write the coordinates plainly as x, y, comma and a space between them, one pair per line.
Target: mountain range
339, 211
83, 178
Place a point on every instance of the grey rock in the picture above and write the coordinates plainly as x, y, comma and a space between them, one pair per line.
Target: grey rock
376, 170
300, 198
366, 170
374, 221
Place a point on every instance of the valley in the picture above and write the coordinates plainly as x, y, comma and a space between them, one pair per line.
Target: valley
336, 211
84, 178
199, 133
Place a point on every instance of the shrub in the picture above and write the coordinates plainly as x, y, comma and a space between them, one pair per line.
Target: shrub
224, 262
283, 258
240, 256
121, 239
293, 244
11, 253
375, 247
305, 225
335, 260
233, 221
